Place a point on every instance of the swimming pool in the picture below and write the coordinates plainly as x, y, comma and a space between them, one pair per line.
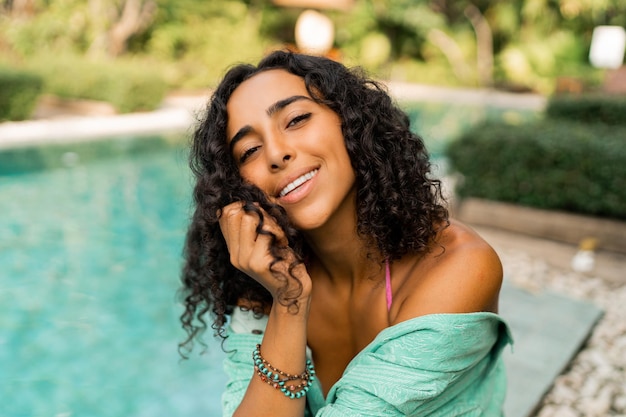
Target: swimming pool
90, 251
91, 241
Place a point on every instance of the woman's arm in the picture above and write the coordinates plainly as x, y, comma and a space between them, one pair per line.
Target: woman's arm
284, 347
284, 343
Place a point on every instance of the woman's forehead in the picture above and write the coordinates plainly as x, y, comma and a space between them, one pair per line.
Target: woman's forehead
266, 86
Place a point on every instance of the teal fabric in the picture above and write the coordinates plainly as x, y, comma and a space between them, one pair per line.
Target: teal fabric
435, 365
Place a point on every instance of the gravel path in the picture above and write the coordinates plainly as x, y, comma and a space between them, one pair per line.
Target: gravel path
594, 385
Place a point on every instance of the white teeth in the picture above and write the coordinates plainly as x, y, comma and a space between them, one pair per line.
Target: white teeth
298, 182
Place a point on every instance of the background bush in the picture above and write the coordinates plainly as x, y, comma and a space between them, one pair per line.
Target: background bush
126, 86
551, 164
19, 91
589, 108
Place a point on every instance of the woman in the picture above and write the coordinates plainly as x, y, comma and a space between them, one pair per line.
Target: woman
319, 231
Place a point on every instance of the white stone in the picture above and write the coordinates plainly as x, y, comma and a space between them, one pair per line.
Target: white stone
557, 411
600, 405
619, 403
562, 394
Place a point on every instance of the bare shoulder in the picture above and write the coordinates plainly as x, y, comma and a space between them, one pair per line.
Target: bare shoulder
461, 274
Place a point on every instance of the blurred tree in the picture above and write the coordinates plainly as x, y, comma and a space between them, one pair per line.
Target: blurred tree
522, 43
114, 23
31, 26
413, 25
519, 43
19, 7
200, 38
484, 44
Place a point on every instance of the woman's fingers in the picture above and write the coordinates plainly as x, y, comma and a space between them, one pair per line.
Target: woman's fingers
273, 229
249, 249
229, 220
239, 230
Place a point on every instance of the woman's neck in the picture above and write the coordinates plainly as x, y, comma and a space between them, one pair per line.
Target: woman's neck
339, 250
344, 255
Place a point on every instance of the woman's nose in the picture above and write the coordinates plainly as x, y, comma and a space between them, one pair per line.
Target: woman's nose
279, 152
282, 163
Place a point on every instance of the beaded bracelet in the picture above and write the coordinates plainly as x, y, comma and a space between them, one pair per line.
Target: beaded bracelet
278, 379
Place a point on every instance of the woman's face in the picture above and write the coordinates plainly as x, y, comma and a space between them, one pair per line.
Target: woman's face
291, 148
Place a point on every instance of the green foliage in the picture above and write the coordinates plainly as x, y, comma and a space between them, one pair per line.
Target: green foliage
588, 108
191, 42
537, 41
352, 30
551, 164
278, 23
19, 91
127, 86
57, 26
536, 60
197, 47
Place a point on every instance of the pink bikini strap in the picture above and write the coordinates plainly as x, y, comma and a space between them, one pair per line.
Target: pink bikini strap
388, 284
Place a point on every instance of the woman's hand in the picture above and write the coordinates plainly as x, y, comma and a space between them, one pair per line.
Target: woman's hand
250, 250
284, 339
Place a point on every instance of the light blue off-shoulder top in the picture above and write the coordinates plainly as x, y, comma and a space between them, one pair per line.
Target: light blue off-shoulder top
435, 365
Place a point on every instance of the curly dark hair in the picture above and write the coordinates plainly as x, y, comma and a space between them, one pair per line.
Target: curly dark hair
400, 207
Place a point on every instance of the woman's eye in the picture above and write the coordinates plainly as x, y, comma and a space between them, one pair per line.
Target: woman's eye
296, 120
247, 153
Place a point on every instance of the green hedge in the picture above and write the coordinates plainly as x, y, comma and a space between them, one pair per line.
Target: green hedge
551, 164
588, 108
127, 87
19, 91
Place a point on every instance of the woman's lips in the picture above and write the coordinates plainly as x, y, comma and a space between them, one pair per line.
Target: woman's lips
297, 189
297, 183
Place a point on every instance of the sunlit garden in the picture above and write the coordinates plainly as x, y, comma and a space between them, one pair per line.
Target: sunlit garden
92, 231
82, 49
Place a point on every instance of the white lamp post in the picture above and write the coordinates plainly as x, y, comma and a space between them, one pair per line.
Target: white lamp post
315, 33
607, 47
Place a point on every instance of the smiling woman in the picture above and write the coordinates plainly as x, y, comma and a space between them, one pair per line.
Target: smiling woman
320, 231
291, 147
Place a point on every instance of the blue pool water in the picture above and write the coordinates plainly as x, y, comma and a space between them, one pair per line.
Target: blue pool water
91, 242
90, 253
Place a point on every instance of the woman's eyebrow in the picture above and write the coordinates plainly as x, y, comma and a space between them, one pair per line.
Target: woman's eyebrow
281, 104
271, 110
240, 134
